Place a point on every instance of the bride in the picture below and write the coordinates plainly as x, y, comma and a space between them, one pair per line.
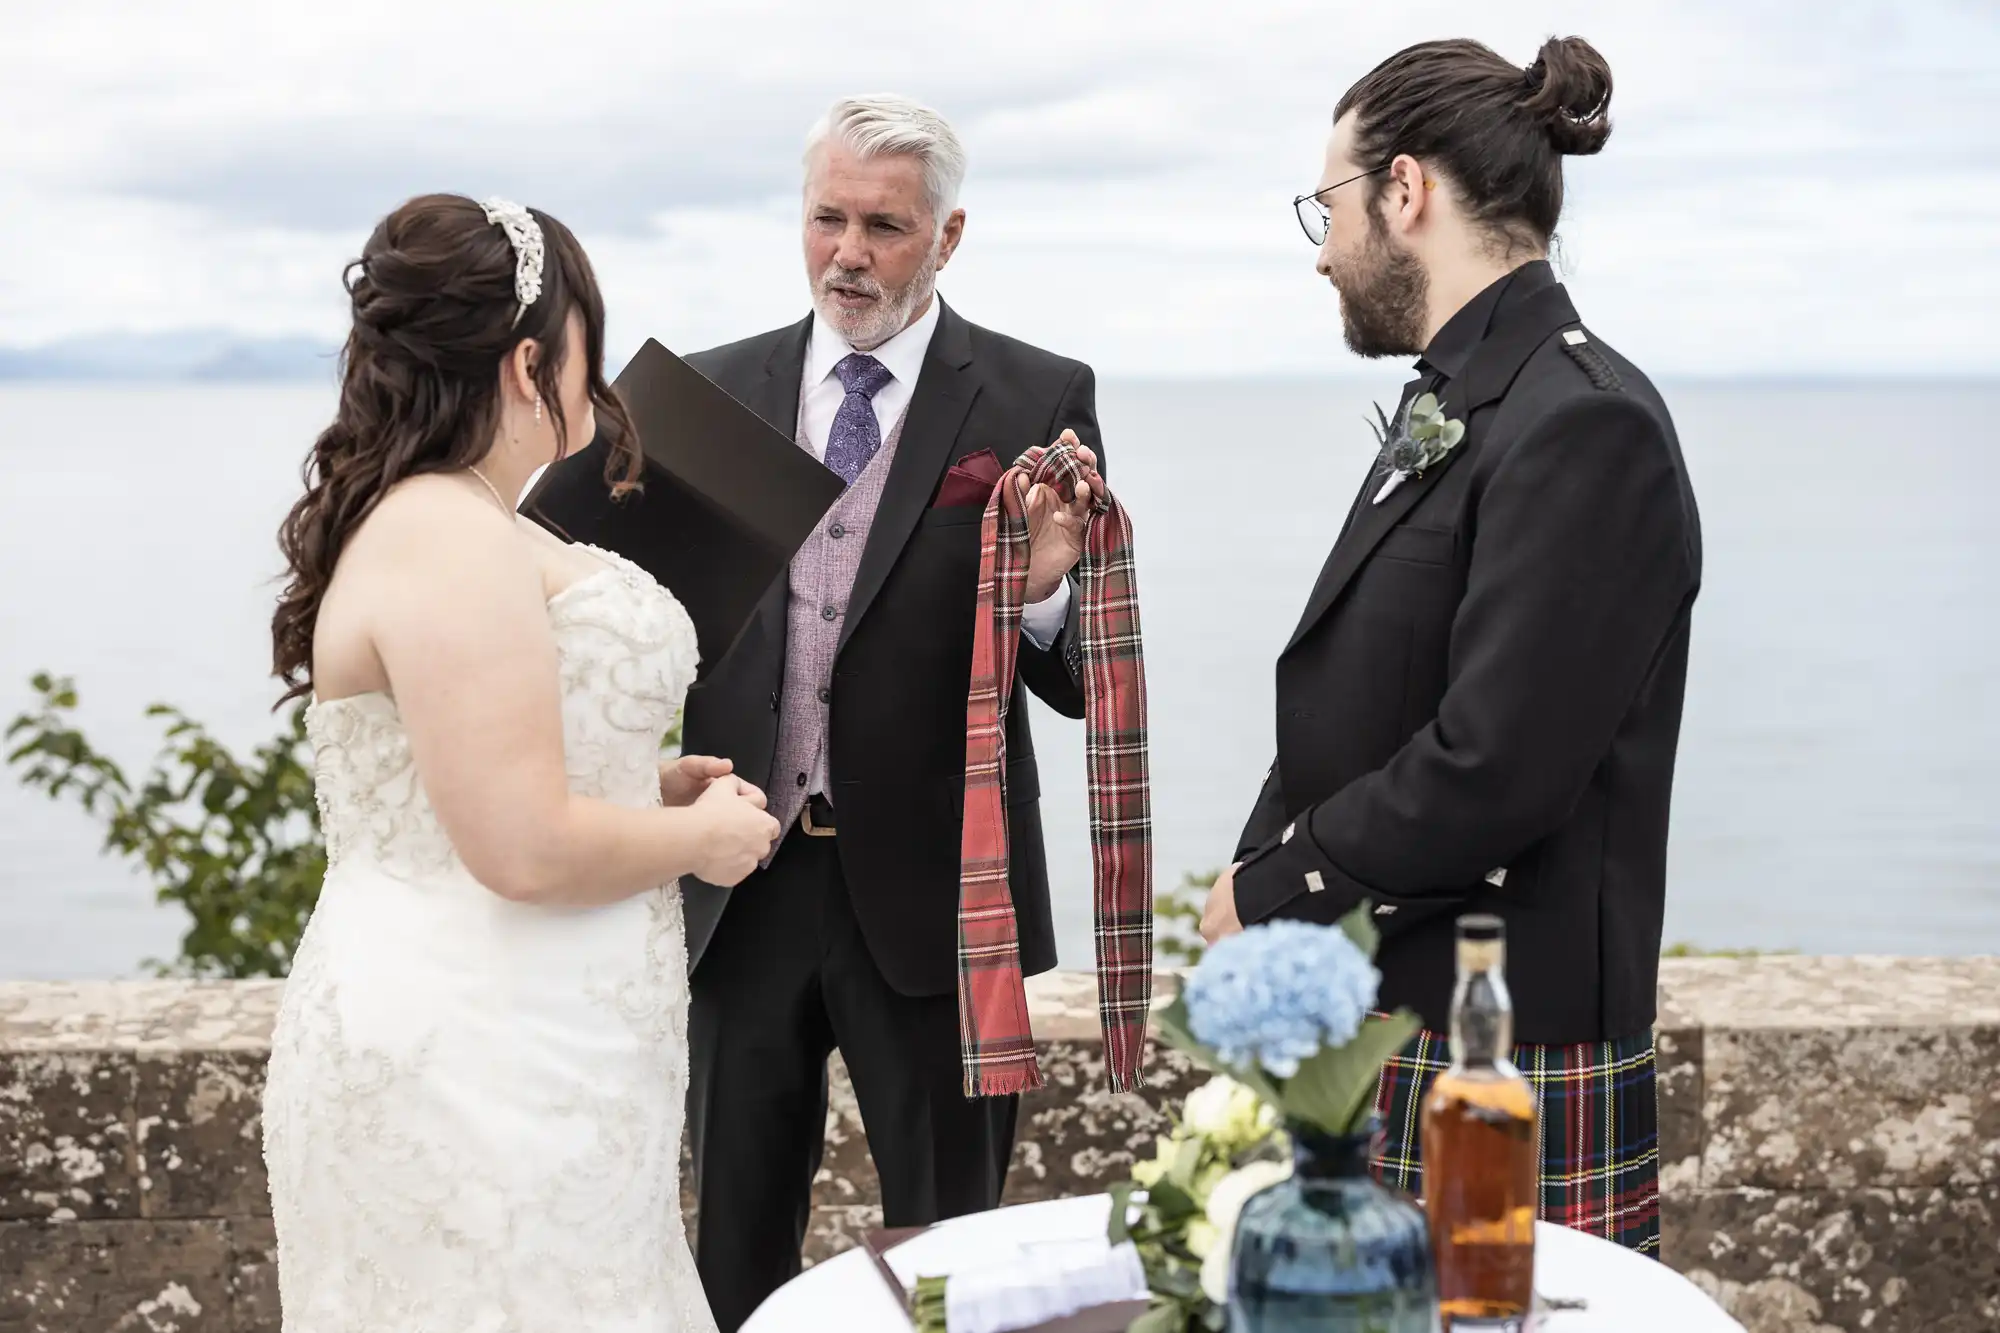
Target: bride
473, 1113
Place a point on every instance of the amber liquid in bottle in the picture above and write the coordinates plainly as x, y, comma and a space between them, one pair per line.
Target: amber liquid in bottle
1481, 1153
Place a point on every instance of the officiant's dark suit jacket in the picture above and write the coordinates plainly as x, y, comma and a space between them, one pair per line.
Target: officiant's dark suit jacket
896, 730
1480, 707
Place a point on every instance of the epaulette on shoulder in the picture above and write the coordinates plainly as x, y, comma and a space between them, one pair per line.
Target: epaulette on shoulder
1591, 361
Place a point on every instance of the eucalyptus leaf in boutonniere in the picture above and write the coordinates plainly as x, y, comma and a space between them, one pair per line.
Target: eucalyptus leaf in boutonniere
1416, 442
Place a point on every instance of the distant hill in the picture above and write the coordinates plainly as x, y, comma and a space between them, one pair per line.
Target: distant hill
195, 355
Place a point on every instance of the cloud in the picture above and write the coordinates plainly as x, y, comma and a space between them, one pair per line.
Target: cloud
1796, 186
607, 177
618, 173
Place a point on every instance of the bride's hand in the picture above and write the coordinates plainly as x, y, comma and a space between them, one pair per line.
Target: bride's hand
736, 833
683, 779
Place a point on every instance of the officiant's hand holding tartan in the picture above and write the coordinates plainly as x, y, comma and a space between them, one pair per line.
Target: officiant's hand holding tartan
1058, 521
997, 1043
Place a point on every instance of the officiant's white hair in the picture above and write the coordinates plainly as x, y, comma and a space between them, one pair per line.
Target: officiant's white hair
886, 123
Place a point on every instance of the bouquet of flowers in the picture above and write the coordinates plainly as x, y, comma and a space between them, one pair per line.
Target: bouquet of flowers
1283, 1014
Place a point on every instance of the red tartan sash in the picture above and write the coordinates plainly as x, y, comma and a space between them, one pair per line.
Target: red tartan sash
997, 1044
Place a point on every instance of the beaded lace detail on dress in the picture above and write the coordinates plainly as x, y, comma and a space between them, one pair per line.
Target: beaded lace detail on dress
474, 1108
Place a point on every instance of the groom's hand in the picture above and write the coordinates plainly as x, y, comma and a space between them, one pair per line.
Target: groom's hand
1055, 530
685, 778
1218, 915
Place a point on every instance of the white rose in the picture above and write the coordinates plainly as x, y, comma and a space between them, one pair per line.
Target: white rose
1229, 1113
1225, 1205
1207, 1108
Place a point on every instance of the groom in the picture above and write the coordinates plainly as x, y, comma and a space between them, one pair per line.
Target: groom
1479, 709
846, 700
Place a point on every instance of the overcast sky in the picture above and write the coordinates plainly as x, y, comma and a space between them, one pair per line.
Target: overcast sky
1809, 187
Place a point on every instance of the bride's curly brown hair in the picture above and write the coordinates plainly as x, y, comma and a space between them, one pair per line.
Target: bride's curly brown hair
434, 317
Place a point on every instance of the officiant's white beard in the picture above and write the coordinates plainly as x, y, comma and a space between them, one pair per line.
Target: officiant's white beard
892, 311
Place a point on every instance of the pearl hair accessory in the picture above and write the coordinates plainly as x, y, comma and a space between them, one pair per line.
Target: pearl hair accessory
525, 235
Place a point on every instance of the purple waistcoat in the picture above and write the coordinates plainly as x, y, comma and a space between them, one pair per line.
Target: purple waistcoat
822, 579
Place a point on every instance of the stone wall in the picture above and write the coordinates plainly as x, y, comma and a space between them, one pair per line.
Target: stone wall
1830, 1133
1830, 1145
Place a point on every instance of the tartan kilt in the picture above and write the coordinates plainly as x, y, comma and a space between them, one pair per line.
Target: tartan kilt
1599, 1131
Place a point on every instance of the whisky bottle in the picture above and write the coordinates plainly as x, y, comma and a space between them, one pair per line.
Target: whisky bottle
1481, 1149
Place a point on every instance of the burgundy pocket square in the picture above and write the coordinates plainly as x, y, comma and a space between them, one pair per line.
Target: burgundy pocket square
970, 481
985, 465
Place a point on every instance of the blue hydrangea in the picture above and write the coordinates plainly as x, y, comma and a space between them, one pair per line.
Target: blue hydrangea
1276, 993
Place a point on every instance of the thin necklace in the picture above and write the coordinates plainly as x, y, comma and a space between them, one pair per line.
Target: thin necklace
498, 498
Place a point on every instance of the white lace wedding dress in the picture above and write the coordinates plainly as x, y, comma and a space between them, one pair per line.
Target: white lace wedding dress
473, 1113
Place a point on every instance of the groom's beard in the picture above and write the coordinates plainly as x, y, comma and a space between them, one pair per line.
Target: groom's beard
1384, 295
868, 329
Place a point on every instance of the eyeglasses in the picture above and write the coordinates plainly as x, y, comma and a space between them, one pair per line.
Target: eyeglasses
1314, 220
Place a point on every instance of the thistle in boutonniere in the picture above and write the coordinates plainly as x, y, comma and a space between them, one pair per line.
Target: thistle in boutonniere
1284, 1012
1417, 442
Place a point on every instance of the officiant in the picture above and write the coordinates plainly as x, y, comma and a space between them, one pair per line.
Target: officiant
845, 698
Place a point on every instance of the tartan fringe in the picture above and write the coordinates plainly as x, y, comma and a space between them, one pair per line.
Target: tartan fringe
1008, 1080
1125, 1073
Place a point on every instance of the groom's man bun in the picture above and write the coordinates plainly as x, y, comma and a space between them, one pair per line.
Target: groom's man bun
1572, 95
1496, 131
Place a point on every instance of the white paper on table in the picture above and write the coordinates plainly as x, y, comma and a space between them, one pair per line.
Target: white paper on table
969, 1241
1002, 1281
1035, 1284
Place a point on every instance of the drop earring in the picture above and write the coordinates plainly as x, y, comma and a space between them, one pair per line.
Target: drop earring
538, 411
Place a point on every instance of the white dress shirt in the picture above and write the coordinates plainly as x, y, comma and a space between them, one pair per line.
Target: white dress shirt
821, 394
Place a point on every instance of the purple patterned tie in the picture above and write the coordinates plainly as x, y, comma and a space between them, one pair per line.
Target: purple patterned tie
856, 435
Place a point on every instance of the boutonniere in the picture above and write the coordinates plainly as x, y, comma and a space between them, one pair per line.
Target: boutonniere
1415, 443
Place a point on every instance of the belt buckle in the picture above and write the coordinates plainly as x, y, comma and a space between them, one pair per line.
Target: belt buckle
807, 826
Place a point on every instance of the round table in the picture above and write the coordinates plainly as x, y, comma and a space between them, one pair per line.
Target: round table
1625, 1292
